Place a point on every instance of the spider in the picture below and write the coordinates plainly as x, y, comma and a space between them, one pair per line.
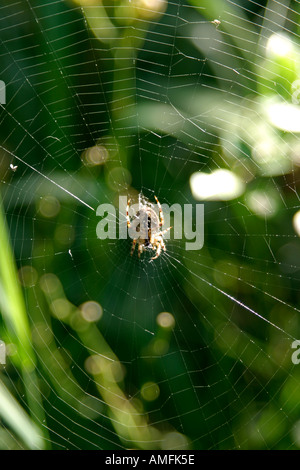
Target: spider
149, 225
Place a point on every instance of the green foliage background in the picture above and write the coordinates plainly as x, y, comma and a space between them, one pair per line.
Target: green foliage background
164, 102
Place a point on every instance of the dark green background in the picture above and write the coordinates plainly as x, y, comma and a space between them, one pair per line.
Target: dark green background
167, 95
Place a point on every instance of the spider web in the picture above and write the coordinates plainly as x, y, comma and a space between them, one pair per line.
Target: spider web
192, 350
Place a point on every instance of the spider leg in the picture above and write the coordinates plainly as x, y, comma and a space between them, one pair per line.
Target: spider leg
133, 246
158, 251
160, 242
161, 215
140, 250
163, 232
163, 244
127, 214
